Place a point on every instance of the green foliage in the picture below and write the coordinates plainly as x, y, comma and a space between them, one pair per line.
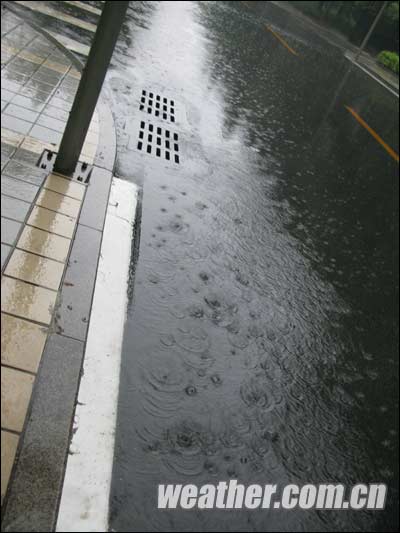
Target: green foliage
389, 60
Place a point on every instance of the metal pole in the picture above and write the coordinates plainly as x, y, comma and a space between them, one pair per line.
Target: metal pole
93, 75
366, 38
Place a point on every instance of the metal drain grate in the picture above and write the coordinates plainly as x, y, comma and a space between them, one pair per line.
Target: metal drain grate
159, 141
158, 105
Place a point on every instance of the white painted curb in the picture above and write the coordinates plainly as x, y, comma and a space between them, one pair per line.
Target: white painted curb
85, 496
370, 74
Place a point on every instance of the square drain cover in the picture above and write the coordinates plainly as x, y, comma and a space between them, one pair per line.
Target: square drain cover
157, 105
158, 141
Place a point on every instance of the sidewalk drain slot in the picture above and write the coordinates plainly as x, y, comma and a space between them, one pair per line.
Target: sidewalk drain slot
153, 106
82, 172
161, 137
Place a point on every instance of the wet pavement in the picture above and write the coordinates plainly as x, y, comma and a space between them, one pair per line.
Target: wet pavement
261, 338
262, 331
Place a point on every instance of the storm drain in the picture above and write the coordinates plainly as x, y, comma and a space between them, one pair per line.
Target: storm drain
158, 141
158, 105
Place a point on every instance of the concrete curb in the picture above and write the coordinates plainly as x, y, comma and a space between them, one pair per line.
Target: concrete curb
373, 74
85, 505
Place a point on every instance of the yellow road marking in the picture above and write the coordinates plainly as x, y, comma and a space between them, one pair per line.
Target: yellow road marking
389, 150
282, 41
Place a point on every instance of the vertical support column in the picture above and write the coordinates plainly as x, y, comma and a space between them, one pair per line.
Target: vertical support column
89, 88
366, 38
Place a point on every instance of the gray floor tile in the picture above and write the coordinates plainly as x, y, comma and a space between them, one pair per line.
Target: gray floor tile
45, 134
9, 230
51, 79
66, 95
52, 123
5, 252
70, 83
22, 112
7, 150
7, 95
24, 66
4, 162
32, 92
30, 158
40, 86
15, 124
12, 86
29, 103
14, 76
49, 73
62, 104
14, 71
15, 209
18, 189
55, 112
29, 173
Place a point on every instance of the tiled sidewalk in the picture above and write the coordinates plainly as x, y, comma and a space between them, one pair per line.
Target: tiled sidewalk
29, 291
39, 213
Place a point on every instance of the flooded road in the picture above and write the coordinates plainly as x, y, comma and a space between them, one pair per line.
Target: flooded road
262, 332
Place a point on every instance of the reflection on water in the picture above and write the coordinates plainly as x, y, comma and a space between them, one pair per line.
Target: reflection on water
260, 343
